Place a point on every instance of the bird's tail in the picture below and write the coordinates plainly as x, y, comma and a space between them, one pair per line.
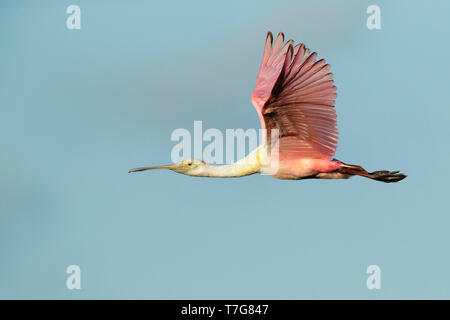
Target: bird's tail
383, 175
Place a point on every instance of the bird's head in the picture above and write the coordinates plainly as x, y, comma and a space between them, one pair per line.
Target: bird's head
189, 166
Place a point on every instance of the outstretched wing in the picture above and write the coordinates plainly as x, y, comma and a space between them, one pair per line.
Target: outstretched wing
295, 94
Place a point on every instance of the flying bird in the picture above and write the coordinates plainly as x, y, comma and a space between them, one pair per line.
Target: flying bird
294, 98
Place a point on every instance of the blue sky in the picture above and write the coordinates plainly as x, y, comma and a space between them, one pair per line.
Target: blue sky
81, 107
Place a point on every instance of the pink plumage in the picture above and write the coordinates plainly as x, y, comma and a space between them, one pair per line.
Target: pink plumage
295, 94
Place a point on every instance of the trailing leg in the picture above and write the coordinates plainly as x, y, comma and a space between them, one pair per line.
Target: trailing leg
383, 175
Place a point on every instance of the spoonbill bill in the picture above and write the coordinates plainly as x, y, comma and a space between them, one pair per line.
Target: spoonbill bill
294, 96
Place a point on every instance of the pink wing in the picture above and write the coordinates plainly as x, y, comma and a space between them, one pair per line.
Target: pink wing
295, 94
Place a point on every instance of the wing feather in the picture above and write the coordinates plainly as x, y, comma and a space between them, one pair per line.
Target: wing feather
295, 94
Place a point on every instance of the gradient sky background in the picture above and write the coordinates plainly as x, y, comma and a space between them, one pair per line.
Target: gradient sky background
79, 108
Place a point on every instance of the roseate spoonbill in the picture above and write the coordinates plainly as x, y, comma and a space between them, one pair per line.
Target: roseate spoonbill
294, 95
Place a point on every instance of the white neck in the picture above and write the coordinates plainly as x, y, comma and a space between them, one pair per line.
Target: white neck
249, 165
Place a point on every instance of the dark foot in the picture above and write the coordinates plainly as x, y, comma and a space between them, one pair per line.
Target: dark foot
387, 176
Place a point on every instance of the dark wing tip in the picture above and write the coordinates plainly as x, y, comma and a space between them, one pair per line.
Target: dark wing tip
320, 61
269, 34
291, 49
